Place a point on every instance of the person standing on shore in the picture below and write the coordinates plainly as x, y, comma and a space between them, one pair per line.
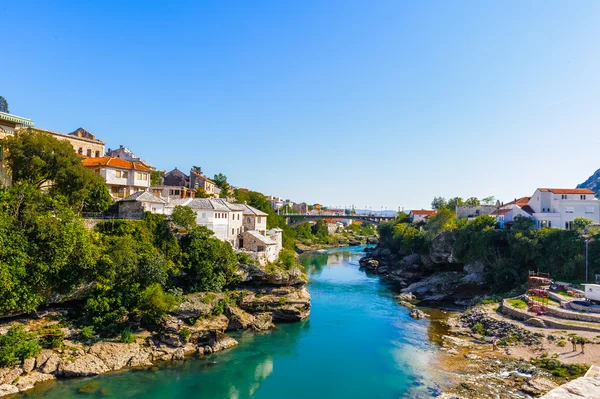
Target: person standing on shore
582, 342
574, 342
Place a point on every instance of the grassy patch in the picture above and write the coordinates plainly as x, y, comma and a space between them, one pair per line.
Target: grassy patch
518, 303
559, 369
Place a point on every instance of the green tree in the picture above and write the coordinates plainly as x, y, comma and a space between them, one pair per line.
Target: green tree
473, 201
201, 193
40, 160
454, 202
209, 262
17, 345
438, 203
581, 225
156, 177
155, 303
184, 217
488, 200
221, 181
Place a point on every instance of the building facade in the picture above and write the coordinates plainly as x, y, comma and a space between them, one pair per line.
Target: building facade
84, 143
556, 207
138, 203
221, 217
172, 192
122, 177
420, 215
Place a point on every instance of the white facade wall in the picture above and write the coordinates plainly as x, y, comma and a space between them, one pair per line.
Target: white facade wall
559, 210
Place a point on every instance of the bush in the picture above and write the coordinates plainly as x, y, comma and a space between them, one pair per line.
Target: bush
479, 329
87, 333
52, 337
562, 343
558, 369
185, 333
155, 303
127, 336
17, 345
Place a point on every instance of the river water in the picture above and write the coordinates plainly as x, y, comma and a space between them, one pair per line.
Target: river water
358, 343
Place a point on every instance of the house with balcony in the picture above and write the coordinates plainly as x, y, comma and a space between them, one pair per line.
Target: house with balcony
558, 207
122, 177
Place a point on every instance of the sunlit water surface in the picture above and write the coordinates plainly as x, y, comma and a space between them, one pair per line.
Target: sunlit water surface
358, 343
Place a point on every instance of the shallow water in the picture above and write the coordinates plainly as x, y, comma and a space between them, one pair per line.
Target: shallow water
358, 343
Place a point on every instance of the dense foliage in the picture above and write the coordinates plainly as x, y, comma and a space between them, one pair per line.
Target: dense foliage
508, 253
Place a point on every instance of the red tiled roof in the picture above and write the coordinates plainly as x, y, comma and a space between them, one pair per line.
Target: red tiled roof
519, 202
422, 212
567, 190
114, 162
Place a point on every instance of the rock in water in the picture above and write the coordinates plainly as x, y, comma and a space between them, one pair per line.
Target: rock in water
417, 314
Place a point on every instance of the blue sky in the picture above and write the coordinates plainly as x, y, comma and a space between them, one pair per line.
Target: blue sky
378, 103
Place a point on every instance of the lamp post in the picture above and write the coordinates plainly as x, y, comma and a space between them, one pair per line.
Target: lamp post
587, 257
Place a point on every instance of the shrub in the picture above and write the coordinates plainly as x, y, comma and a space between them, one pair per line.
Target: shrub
282, 301
562, 343
155, 303
479, 328
87, 333
127, 336
185, 333
219, 308
558, 369
17, 345
52, 337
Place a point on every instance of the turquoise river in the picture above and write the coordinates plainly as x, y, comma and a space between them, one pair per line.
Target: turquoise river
358, 343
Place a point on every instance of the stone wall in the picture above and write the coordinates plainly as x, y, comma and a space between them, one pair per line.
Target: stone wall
519, 314
130, 209
466, 211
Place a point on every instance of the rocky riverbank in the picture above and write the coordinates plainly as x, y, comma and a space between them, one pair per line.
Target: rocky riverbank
433, 277
196, 327
482, 352
337, 242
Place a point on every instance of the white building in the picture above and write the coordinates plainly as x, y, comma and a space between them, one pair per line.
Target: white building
122, 177
506, 214
558, 207
420, 215
221, 217
136, 204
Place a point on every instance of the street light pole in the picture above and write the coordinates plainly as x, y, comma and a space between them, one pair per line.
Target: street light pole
587, 258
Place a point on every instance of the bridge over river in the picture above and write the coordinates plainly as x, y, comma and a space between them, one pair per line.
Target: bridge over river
294, 219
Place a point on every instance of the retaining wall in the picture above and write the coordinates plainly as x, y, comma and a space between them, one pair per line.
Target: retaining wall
518, 314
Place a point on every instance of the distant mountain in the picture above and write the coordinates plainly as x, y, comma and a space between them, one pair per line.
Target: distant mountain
593, 183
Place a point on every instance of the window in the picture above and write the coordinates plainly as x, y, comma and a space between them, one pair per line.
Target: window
247, 220
569, 209
139, 175
232, 231
121, 174
145, 176
89, 152
203, 215
589, 209
97, 154
568, 225
583, 197
80, 151
563, 196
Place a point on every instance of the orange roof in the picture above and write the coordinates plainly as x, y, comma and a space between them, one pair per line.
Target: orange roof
519, 202
567, 190
114, 162
422, 212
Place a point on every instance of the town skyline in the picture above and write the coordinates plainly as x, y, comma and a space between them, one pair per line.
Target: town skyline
339, 104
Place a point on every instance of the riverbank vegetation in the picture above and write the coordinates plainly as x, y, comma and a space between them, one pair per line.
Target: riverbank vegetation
120, 274
508, 254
